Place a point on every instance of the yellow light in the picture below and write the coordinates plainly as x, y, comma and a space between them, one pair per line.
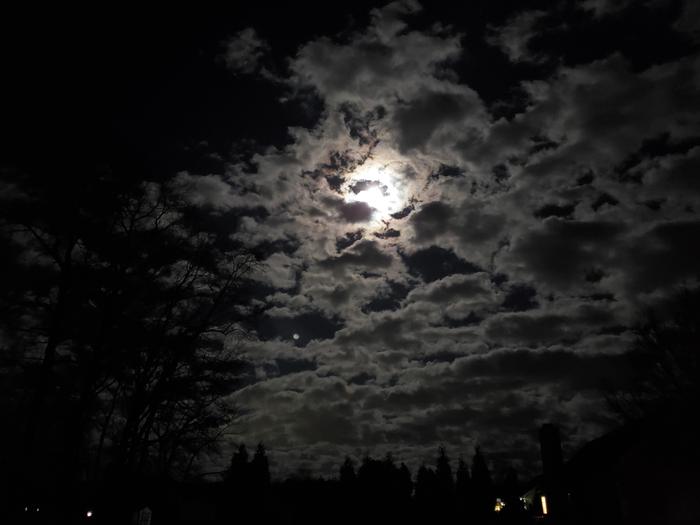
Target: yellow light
543, 499
499, 505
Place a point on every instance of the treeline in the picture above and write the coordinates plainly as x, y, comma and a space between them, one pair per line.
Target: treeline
375, 490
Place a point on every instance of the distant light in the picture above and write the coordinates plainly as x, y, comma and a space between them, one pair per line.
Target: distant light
295, 337
543, 499
26, 509
499, 505
89, 514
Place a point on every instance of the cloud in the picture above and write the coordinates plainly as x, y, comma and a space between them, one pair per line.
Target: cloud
497, 293
365, 254
244, 51
564, 253
379, 64
605, 7
418, 121
434, 263
207, 190
355, 212
513, 37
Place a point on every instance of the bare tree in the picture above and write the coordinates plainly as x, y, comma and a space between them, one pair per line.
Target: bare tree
120, 322
664, 361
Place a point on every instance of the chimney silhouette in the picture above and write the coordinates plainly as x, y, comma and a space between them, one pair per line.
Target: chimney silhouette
553, 472
550, 448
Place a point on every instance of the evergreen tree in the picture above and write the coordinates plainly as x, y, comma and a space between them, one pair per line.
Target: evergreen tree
482, 488
347, 473
373, 485
260, 469
348, 491
405, 482
237, 488
463, 477
443, 472
238, 470
444, 486
425, 487
463, 487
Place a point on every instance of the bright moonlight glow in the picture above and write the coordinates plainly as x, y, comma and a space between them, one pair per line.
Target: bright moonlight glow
376, 198
378, 187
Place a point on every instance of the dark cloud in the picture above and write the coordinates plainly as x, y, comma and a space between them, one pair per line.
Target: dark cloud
403, 213
447, 171
347, 240
388, 298
531, 330
520, 297
365, 254
577, 371
363, 185
665, 256
416, 122
433, 263
452, 288
390, 233
355, 211
293, 366
604, 199
361, 126
561, 253
432, 220
555, 210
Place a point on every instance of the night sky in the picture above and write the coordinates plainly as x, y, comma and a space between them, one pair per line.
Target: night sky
462, 209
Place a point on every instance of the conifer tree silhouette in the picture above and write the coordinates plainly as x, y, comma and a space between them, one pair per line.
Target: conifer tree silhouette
463, 487
482, 489
347, 473
405, 483
443, 472
260, 469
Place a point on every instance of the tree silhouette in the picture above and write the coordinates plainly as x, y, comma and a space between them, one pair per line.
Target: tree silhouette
348, 496
238, 469
405, 483
372, 486
237, 497
426, 492
260, 470
444, 486
347, 473
664, 362
122, 303
483, 499
443, 472
463, 487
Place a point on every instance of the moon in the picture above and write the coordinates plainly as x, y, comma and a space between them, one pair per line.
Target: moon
379, 188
